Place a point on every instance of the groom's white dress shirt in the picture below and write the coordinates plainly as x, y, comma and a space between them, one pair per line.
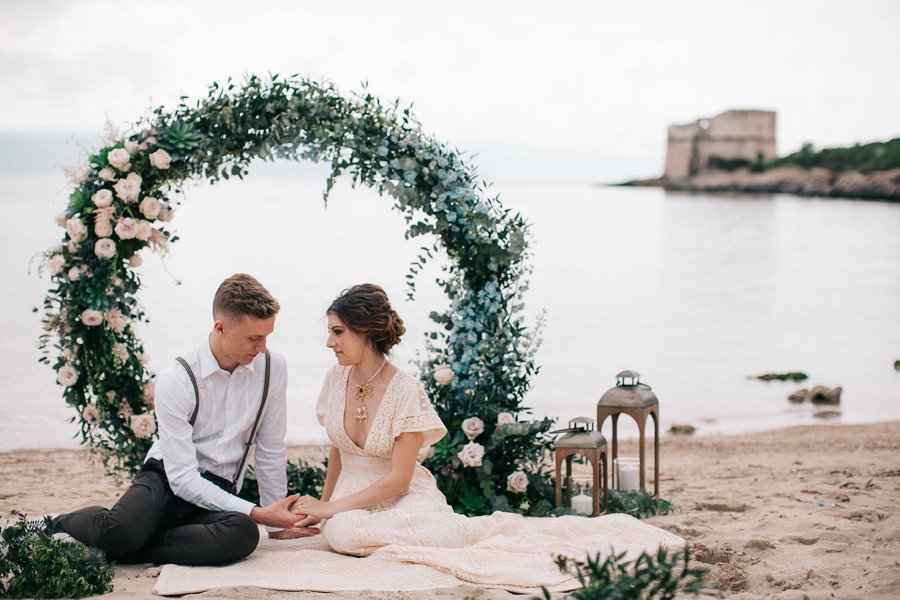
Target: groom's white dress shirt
228, 406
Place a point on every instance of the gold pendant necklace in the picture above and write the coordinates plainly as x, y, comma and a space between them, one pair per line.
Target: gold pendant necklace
363, 393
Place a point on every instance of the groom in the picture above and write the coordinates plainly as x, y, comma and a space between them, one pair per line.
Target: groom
183, 506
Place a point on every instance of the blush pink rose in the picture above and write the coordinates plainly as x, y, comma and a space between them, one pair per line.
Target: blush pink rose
91, 317
129, 189
142, 230
105, 248
90, 413
472, 427
60, 219
67, 376
102, 198
143, 425
166, 214
471, 454
74, 274
106, 174
125, 412
150, 207
103, 228
131, 147
76, 229
149, 392
443, 374
517, 482
126, 228
116, 320
119, 158
135, 260
160, 159
120, 352
505, 418
56, 264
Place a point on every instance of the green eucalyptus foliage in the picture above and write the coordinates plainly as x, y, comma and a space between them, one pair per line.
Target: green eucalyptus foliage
663, 575
302, 478
35, 565
481, 336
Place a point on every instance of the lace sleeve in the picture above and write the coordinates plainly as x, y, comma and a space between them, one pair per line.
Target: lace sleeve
416, 414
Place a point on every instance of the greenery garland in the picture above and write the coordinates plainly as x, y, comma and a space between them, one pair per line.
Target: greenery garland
479, 360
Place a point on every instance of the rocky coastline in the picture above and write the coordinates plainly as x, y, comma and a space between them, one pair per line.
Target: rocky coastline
877, 185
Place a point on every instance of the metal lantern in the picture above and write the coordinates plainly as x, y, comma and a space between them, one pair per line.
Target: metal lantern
580, 438
636, 399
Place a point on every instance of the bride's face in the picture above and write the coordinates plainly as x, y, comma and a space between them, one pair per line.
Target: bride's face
348, 346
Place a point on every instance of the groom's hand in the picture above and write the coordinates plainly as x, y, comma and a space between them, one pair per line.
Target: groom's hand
277, 514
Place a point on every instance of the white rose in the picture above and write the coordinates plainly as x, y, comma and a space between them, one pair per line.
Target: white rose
517, 482
91, 317
102, 198
106, 174
131, 147
166, 213
505, 418
160, 159
472, 427
76, 229
129, 189
135, 260
125, 228
116, 320
56, 264
443, 374
105, 248
90, 413
471, 454
103, 228
67, 376
142, 230
119, 158
143, 425
150, 207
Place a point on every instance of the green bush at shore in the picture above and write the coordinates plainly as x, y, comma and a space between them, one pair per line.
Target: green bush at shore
789, 376
875, 156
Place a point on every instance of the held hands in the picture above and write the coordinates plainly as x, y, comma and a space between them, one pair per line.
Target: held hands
277, 514
312, 508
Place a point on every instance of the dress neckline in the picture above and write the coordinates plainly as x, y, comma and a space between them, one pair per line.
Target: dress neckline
375, 417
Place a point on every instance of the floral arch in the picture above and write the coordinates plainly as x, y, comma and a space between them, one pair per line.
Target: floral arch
478, 360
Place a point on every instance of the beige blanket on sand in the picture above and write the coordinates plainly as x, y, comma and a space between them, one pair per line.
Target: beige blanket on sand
309, 565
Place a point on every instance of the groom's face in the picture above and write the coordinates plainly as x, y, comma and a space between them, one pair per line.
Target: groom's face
242, 338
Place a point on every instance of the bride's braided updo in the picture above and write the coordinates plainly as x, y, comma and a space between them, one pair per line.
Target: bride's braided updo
366, 310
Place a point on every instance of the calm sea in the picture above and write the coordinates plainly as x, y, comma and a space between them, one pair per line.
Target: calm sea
694, 292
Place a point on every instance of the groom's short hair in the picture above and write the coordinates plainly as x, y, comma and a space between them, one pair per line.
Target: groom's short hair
242, 295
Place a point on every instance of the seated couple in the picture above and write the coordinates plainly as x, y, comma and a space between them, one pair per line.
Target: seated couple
182, 507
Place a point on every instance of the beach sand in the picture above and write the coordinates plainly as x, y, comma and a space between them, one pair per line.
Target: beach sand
807, 512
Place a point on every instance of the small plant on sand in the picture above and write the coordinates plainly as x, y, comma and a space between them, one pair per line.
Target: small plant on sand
662, 575
35, 565
638, 504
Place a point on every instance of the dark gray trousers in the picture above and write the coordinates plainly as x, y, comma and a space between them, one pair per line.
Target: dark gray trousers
150, 524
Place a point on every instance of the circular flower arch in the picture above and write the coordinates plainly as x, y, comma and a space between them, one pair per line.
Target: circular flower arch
479, 358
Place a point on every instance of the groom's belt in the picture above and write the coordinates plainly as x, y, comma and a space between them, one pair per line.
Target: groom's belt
156, 465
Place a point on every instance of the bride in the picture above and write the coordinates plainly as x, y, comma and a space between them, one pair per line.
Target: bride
377, 498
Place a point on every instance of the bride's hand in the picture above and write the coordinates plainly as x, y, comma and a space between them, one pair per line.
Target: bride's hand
312, 507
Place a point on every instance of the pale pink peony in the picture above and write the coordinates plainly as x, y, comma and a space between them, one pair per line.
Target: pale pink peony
129, 189
102, 198
76, 229
125, 228
119, 158
91, 317
106, 174
443, 374
150, 207
517, 482
505, 418
160, 159
131, 147
56, 264
135, 260
67, 376
90, 413
105, 248
116, 320
143, 425
120, 352
471, 454
74, 274
142, 230
472, 427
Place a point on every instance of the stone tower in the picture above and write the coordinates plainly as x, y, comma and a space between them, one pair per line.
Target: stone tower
733, 138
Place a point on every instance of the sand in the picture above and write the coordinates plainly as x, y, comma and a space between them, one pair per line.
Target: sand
807, 512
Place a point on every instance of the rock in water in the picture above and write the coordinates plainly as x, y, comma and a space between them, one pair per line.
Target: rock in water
824, 395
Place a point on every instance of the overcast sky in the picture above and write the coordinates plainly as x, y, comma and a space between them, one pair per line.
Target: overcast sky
558, 90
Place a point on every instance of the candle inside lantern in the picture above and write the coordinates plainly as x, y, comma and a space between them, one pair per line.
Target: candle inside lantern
583, 504
627, 473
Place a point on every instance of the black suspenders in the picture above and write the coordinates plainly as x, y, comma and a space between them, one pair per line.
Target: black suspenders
262, 404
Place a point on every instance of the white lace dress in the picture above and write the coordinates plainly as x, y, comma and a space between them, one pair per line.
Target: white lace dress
500, 550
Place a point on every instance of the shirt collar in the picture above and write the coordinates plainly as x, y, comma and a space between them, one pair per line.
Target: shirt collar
209, 364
